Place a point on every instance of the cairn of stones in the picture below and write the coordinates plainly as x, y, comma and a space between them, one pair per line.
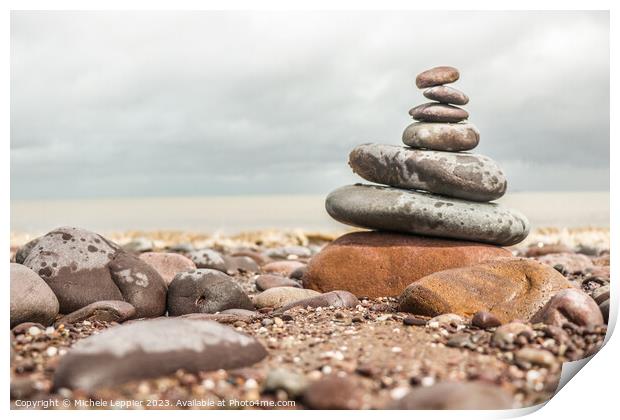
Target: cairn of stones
433, 185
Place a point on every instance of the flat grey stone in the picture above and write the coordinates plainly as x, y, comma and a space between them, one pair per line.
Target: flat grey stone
448, 137
461, 175
152, 348
393, 209
436, 112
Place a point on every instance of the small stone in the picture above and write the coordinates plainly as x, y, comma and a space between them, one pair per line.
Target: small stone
268, 281
455, 396
446, 137
446, 319
283, 268
242, 264
137, 245
530, 356
279, 296
411, 320
107, 311
485, 320
153, 348
446, 95
168, 264
336, 299
31, 299
287, 251
570, 305
294, 384
541, 249
570, 263
506, 334
437, 76
440, 113
205, 291
333, 393
24, 250
208, 258
299, 273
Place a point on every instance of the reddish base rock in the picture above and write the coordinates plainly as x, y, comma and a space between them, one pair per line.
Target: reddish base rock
377, 264
509, 288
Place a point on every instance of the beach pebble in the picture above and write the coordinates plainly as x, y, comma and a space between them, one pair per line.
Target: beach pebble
378, 264
538, 357
333, 393
205, 291
240, 312
267, 281
570, 305
153, 348
440, 75
208, 258
460, 175
107, 310
506, 334
240, 264
568, 263
445, 320
455, 396
485, 320
283, 268
509, 288
294, 384
544, 249
23, 251
168, 264
398, 210
280, 296
31, 299
299, 273
284, 252
140, 284
138, 245
336, 299
442, 136
258, 257
440, 113
446, 95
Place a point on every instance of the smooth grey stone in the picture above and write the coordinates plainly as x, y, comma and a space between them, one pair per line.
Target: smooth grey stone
461, 175
107, 310
437, 76
152, 348
446, 95
393, 209
32, 300
24, 250
336, 299
208, 258
436, 112
205, 291
448, 137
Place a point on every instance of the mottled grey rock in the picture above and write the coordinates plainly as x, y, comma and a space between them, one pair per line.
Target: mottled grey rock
268, 281
140, 284
436, 112
337, 299
393, 209
205, 291
138, 245
280, 296
240, 264
152, 348
570, 305
455, 396
437, 76
208, 258
32, 300
461, 175
286, 251
446, 137
446, 95
74, 263
24, 250
107, 310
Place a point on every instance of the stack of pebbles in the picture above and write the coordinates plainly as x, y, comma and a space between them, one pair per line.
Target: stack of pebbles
432, 186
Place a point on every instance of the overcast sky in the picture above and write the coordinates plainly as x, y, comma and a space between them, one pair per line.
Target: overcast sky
212, 103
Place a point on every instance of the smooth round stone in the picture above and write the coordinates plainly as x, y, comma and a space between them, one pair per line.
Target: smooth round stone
436, 112
283, 268
446, 137
571, 305
461, 175
107, 310
205, 291
455, 396
208, 258
393, 209
269, 281
568, 262
32, 300
483, 319
437, 76
152, 348
168, 264
336, 299
446, 95
333, 393
277, 297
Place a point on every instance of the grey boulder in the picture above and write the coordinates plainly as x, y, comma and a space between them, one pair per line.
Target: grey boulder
393, 209
461, 175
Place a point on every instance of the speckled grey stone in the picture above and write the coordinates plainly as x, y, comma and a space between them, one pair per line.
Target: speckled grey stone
436, 112
448, 137
461, 175
152, 348
208, 258
446, 95
393, 209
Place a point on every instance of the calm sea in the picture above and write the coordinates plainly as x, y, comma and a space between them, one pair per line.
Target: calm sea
234, 214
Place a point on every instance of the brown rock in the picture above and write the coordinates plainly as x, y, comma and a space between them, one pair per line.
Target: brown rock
167, 264
280, 296
539, 251
485, 320
446, 95
107, 310
240, 264
337, 299
333, 393
570, 305
283, 268
437, 76
567, 262
510, 288
268, 281
455, 396
376, 264
436, 112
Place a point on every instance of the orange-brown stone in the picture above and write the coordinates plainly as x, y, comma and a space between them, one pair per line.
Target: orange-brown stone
378, 264
509, 288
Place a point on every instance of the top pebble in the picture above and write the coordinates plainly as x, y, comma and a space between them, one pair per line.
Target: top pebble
437, 76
